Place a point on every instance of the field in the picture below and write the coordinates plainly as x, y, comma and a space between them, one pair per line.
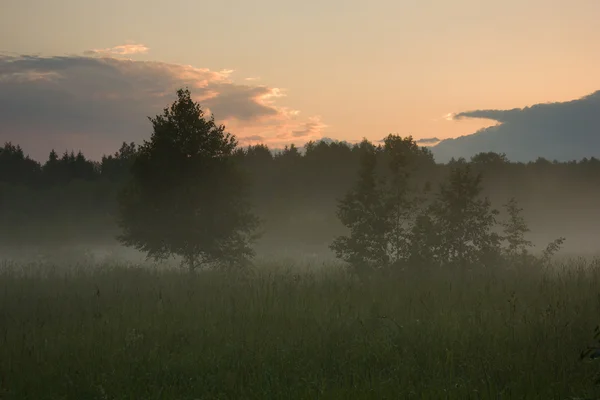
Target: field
120, 331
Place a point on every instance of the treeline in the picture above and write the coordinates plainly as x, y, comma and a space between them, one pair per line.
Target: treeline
70, 198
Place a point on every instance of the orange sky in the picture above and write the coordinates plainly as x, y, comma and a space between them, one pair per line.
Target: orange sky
351, 68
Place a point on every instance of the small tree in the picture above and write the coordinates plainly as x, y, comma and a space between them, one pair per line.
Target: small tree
551, 249
186, 196
362, 211
401, 196
514, 234
380, 212
514, 231
457, 228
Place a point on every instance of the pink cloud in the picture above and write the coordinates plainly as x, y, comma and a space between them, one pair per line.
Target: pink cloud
279, 130
253, 138
110, 98
121, 50
311, 128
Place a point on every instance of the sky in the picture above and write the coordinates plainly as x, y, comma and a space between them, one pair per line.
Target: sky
85, 74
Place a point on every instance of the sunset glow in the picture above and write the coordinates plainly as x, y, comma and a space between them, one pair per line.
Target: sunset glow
407, 65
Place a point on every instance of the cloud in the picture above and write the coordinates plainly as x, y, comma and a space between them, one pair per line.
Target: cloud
287, 129
310, 129
428, 140
95, 103
253, 138
561, 130
121, 50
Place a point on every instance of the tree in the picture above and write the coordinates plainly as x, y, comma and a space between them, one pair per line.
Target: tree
16, 167
457, 228
514, 231
380, 212
117, 167
402, 198
514, 234
490, 158
362, 211
186, 195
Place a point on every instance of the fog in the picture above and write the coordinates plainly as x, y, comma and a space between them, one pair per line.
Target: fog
70, 202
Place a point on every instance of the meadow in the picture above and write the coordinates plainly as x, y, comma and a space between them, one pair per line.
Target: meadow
126, 331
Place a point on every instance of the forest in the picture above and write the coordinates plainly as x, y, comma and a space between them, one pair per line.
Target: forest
70, 199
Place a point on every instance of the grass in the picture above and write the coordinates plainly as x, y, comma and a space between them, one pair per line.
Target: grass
119, 332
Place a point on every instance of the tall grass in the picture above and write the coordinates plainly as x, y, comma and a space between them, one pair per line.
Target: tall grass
119, 332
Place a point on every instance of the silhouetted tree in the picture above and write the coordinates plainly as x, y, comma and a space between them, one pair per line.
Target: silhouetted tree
459, 223
515, 230
186, 195
117, 167
489, 158
363, 212
295, 192
402, 196
16, 167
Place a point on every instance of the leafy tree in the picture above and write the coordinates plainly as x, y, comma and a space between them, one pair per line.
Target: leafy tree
187, 196
362, 211
514, 231
401, 197
460, 223
514, 234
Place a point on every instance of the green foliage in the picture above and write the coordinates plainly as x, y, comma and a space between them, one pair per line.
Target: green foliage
515, 230
516, 251
186, 196
462, 222
363, 212
379, 211
456, 227
402, 196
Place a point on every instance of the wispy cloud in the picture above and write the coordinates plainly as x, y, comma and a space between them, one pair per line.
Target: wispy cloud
94, 103
282, 129
561, 130
312, 128
253, 138
429, 141
449, 116
121, 50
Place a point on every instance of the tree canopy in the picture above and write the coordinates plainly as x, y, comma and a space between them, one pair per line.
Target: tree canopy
186, 195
